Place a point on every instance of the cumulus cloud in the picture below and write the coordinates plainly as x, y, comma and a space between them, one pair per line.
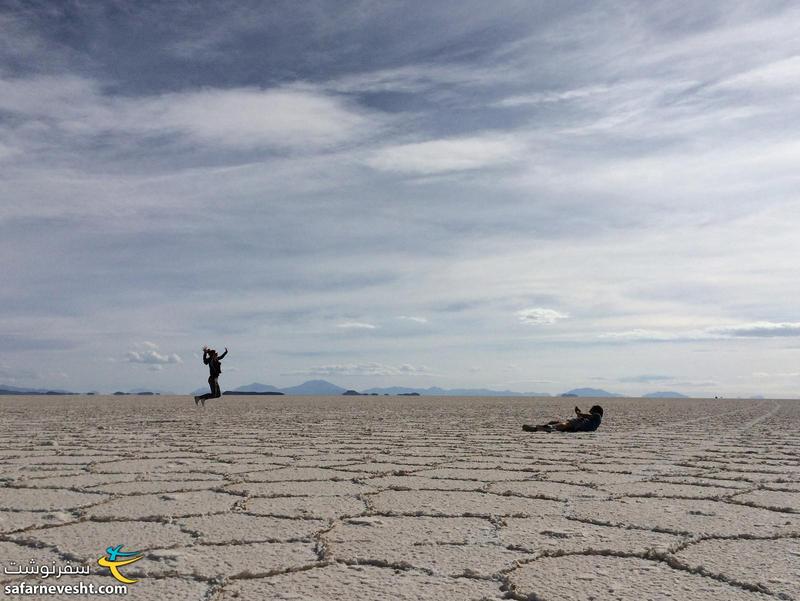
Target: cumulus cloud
152, 357
446, 155
356, 325
540, 316
364, 369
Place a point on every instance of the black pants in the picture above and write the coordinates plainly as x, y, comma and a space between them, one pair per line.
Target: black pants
215, 391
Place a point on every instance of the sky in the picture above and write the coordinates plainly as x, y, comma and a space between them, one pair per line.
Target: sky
525, 195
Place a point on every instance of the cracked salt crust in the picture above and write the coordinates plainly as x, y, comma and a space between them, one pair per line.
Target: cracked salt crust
240, 527
483, 475
146, 589
387, 498
774, 564
444, 546
305, 507
667, 489
788, 501
315, 488
557, 490
15, 521
88, 540
165, 504
594, 478
694, 516
609, 578
75, 480
159, 486
46, 499
21, 554
248, 559
561, 534
130, 465
458, 502
290, 474
362, 583
413, 482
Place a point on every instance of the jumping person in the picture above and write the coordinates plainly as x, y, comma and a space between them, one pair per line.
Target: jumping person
582, 422
211, 359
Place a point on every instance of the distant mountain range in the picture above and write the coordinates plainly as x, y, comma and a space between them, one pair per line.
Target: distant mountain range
7, 389
325, 388
310, 388
665, 394
591, 392
436, 391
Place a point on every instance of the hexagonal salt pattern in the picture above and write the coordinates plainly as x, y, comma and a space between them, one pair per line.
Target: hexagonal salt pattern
407, 498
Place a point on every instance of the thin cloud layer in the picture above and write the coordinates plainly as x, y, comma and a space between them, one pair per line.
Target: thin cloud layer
364, 369
356, 325
442, 156
284, 117
759, 329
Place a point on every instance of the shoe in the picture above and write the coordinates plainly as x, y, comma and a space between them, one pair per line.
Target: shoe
529, 428
196, 400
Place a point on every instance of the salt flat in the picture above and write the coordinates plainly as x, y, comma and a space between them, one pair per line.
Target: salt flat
363, 498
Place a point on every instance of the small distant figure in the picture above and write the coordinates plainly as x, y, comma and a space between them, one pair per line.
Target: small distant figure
211, 359
582, 422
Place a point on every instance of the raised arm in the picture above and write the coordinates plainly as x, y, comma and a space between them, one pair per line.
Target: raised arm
580, 413
206, 356
222, 356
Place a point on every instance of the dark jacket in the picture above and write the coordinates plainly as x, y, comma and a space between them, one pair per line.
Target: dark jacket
585, 422
213, 362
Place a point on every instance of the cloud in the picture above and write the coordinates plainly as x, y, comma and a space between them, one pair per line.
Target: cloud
647, 335
757, 329
364, 369
768, 77
14, 375
644, 378
552, 96
420, 78
596, 159
412, 318
294, 117
152, 357
447, 155
540, 316
356, 325
286, 117
767, 375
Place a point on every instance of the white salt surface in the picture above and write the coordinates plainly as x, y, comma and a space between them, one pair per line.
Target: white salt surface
407, 498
